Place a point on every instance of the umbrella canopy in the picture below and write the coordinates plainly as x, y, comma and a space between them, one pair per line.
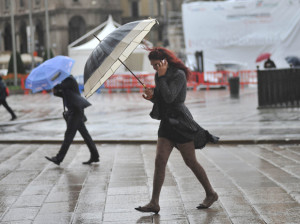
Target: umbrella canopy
262, 57
293, 60
111, 52
49, 74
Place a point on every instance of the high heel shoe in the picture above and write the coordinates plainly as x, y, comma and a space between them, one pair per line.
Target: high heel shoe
148, 209
208, 202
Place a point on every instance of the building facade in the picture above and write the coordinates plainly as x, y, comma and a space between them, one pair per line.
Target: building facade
68, 20
71, 19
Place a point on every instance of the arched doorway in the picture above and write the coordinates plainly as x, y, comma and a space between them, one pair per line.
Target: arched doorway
39, 38
7, 38
23, 38
77, 28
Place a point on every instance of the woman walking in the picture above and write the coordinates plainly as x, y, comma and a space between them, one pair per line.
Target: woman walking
3, 102
177, 127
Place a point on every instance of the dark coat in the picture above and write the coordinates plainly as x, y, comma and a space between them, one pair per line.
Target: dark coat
70, 93
2, 91
269, 64
169, 96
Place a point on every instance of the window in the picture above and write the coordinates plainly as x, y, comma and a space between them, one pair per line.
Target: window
135, 9
77, 28
7, 38
7, 4
22, 4
23, 38
37, 2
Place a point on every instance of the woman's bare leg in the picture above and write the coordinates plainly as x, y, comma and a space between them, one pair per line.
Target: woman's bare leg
163, 151
187, 151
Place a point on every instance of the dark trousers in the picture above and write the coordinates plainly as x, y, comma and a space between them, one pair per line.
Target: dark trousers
4, 103
74, 123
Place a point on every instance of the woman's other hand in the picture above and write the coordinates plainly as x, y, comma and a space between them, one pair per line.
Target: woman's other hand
148, 93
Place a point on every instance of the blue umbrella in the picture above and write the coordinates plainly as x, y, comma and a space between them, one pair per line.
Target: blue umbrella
49, 74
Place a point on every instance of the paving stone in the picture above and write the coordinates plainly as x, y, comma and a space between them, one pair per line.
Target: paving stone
19, 214
91, 218
53, 218
247, 219
30, 201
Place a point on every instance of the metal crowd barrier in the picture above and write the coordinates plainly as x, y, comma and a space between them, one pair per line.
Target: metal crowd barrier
207, 80
279, 88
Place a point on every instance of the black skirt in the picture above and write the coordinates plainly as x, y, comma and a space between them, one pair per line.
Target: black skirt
167, 131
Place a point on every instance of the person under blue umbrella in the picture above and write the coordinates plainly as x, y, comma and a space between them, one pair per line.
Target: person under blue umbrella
68, 90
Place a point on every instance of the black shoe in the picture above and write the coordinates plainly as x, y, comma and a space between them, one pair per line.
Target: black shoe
92, 160
13, 118
212, 138
53, 159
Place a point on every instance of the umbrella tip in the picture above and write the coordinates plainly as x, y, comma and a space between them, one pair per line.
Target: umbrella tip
154, 19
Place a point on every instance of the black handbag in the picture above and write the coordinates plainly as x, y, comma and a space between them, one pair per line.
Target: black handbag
66, 115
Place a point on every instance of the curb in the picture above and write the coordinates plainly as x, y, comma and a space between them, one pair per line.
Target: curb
222, 142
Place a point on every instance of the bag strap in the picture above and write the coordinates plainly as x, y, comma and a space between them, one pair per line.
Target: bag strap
64, 105
64, 98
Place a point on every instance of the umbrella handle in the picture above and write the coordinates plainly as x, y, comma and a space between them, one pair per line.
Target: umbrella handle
126, 67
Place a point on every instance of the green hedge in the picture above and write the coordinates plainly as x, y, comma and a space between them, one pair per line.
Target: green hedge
20, 64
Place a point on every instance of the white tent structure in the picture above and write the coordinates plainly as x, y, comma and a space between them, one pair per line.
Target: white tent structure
240, 30
137, 62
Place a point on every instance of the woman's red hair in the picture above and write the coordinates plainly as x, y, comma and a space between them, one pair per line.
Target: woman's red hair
160, 53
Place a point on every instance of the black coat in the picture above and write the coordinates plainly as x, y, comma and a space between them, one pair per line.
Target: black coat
169, 96
269, 64
70, 93
2, 91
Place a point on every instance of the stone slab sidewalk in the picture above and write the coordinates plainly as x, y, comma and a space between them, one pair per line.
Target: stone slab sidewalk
255, 183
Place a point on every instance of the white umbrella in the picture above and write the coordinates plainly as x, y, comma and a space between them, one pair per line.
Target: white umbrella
111, 52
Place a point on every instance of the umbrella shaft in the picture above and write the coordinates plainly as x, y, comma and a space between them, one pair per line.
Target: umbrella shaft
133, 74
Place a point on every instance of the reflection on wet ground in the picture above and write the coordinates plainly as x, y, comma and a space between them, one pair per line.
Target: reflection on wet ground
125, 116
255, 183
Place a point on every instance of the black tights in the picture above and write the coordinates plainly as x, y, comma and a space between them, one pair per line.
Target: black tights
4, 103
187, 150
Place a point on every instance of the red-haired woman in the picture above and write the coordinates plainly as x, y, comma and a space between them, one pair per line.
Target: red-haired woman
177, 127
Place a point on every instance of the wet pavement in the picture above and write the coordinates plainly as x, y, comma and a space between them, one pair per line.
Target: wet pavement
125, 117
256, 183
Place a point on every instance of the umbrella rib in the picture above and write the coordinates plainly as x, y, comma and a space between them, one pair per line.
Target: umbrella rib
125, 66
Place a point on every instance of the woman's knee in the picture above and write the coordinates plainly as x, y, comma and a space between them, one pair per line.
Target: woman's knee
191, 162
